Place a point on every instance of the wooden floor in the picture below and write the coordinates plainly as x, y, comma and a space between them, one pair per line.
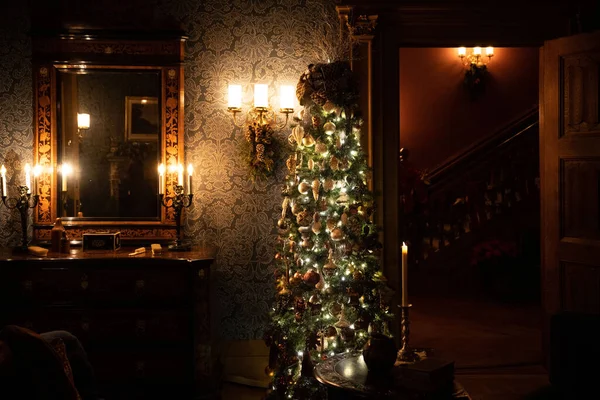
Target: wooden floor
496, 348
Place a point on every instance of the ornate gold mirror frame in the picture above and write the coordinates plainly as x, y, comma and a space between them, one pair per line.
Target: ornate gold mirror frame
162, 52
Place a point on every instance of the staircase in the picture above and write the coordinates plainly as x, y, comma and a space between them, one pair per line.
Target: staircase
489, 192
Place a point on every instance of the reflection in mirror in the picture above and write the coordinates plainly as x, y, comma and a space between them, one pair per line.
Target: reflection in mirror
109, 143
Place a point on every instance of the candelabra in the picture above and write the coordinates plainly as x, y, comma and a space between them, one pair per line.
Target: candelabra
22, 203
177, 202
406, 354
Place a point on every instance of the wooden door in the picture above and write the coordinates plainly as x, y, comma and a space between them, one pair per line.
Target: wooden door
570, 175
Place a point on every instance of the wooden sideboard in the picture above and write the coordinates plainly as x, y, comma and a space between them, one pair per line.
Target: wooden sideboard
144, 320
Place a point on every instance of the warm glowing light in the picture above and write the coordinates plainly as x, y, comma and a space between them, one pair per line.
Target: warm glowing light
477, 51
144, 101
37, 170
462, 51
286, 96
83, 121
489, 51
234, 97
261, 95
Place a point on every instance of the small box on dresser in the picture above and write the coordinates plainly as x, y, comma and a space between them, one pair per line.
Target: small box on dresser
101, 241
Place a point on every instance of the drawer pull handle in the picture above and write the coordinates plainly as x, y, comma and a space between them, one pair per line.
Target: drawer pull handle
140, 327
84, 282
28, 285
201, 274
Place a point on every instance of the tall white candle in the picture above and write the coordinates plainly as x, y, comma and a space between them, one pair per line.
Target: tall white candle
286, 96
234, 94
66, 171
180, 175
261, 95
190, 170
3, 174
404, 302
28, 177
161, 179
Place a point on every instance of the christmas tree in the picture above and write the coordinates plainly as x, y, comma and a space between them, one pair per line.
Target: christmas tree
330, 289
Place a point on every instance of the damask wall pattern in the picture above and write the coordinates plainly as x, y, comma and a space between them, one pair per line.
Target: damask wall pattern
231, 41
16, 110
244, 42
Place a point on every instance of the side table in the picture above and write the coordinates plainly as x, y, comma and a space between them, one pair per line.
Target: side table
346, 377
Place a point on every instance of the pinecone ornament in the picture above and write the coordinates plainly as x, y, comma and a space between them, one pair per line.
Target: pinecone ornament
319, 97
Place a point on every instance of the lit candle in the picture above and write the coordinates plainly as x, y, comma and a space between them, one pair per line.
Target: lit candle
261, 95
286, 97
37, 171
489, 51
3, 176
180, 175
28, 177
234, 96
66, 171
404, 275
83, 121
462, 51
477, 51
161, 179
190, 170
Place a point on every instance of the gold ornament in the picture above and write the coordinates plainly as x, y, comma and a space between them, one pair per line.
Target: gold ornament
317, 227
337, 234
321, 148
328, 184
303, 218
311, 164
330, 266
338, 142
303, 187
344, 219
308, 141
334, 163
296, 208
329, 128
291, 163
316, 184
296, 136
329, 107
331, 223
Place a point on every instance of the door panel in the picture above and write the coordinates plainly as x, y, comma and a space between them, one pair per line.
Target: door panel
570, 175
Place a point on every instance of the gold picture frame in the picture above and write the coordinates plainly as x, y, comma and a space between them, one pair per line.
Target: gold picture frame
142, 119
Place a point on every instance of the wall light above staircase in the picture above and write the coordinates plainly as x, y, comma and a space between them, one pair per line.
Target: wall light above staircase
475, 64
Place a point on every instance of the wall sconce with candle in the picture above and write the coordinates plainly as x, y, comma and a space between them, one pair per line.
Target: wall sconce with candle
178, 201
261, 113
261, 123
83, 123
475, 64
24, 201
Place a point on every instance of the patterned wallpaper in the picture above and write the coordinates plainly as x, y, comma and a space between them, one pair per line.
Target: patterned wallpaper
238, 41
16, 109
234, 41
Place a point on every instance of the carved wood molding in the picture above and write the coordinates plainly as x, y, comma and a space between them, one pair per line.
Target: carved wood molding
44, 141
363, 25
127, 233
83, 46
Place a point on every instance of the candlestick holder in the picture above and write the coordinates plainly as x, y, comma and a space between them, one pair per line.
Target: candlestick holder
177, 202
406, 354
22, 203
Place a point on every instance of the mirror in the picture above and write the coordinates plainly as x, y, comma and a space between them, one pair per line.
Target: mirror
109, 106
109, 130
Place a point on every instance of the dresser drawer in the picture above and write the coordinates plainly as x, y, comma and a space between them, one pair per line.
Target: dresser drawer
156, 286
51, 285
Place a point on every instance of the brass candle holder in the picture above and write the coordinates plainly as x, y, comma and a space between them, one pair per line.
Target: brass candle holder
22, 203
177, 202
406, 354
